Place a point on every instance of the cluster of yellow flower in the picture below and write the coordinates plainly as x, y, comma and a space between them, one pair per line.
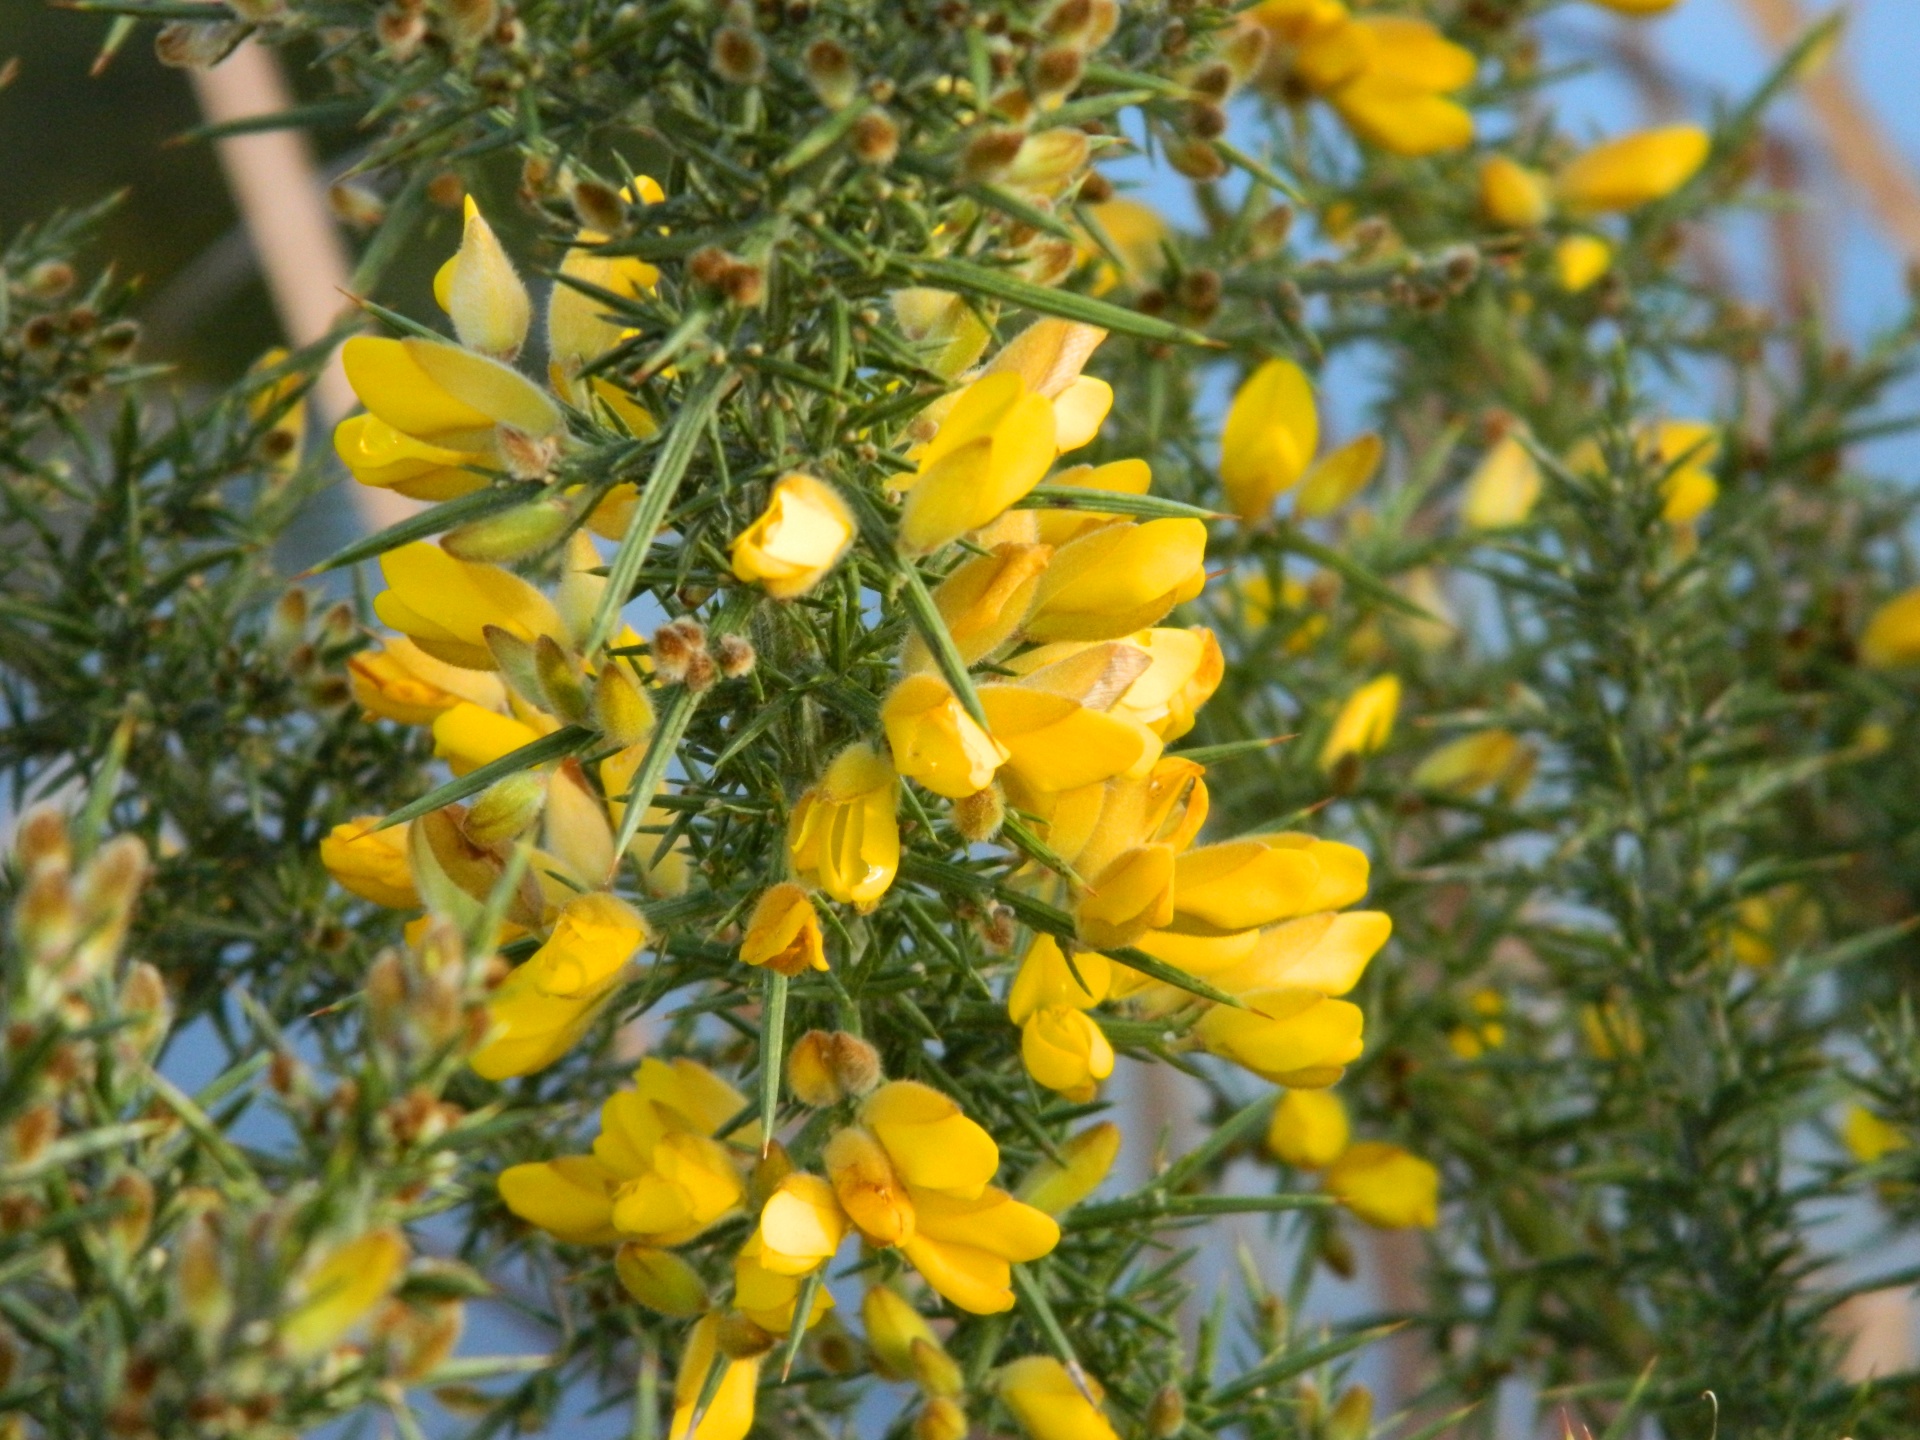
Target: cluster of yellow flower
1081, 690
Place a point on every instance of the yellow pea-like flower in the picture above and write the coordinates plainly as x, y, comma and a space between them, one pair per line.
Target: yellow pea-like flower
370, 862
867, 1186
965, 1246
1512, 196
1271, 434
1338, 476
387, 459
342, 1290
570, 1197
769, 1297
1402, 117
797, 540
660, 1280
1632, 170
400, 681
444, 395
941, 1418
1309, 1129
1869, 1138
801, 1225
482, 292
467, 736
1117, 579
936, 742
546, 1003
1246, 884
1483, 760
844, 834
991, 449
729, 1415
1065, 1050
983, 602
1046, 979
1049, 356
1892, 637
445, 605
1123, 477
1049, 1404
943, 324
1689, 448
1365, 721
1293, 1036
1386, 1186
930, 1142
1089, 1155
1131, 896
1503, 488
783, 934
1579, 261
1324, 952
1054, 742
1135, 231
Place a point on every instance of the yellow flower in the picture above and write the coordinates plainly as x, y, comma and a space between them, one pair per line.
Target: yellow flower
1048, 1404
445, 605
771, 1298
801, 1226
382, 457
655, 1175
784, 932
1055, 738
286, 436
1338, 476
1482, 761
930, 1142
1364, 723
1271, 434
1512, 196
894, 1328
1118, 579
1869, 1138
1633, 170
992, 448
1387, 77
1048, 356
545, 1004
1386, 1186
1688, 448
935, 741
1046, 979
1502, 489
467, 737
342, 1290
1324, 952
1065, 1050
941, 1418
444, 395
797, 540
1135, 231
1131, 896
1580, 260
660, 1280
1089, 1155
1293, 1036
844, 835
1309, 1129
479, 288
371, 863
1892, 637
729, 1415
400, 681
965, 1248
1471, 1041
578, 329
1057, 527
1246, 884
983, 602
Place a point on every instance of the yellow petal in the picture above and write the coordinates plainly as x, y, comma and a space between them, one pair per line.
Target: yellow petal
1271, 432
1309, 1129
929, 1141
1337, 478
1631, 171
1386, 1186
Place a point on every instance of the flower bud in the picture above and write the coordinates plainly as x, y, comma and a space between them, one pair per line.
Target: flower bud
419, 1336
1502, 489
621, 709
510, 536
979, 816
738, 56
131, 1196
1579, 261
830, 72
42, 840
934, 1370
200, 1278
146, 1009
736, 656
355, 206
1352, 1415
507, 809
1309, 1129
797, 540
738, 1338
468, 22
1386, 1186
673, 647
1512, 196
1050, 1402
193, 45
1166, 1412
1089, 1155
894, 1327
660, 1280
599, 207
481, 291
1632, 170
875, 138
560, 680
941, 1419
783, 934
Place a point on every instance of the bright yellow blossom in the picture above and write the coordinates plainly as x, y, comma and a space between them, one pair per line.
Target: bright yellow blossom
1892, 637
797, 540
1386, 1186
400, 681
935, 741
660, 1280
729, 1415
1512, 196
370, 862
1294, 1036
1338, 476
1271, 434
783, 933
578, 329
342, 1290
1048, 356
1364, 723
1112, 581
445, 605
991, 449
444, 395
1484, 760
1388, 77
1580, 260
1049, 1404
546, 1003
984, 601
386, 459
1089, 1155
844, 835
1633, 170
1309, 1129
1503, 487
1869, 1138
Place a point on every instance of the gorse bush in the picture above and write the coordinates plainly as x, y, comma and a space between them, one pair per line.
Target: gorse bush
887, 634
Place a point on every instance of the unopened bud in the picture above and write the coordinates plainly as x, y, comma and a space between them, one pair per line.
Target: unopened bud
401, 32
42, 840
131, 1196
998, 928
1166, 1413
1244, 51
469, 21
660, 1280
200, 1279
507, 809
287, 622
112, 882
1069, 19
1195, 158
197, 45
978, 816
936, 1372
621, 709
44, 917
673, 647
33, 1129
50, 279
740, 1339
875, 139
831, 74
145, 1008
1095, 188
990, 154
528, 457
738, 56
515, 659
598, 206
355, 206
940, 1419
418, 1337
768, 1171
560, 682
510, 536
1056, 72
736, 655
1352, 1415
835, 1349
826, 1067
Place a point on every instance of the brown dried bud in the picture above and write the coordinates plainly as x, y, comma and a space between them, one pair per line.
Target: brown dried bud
1200, 291
989, 154
446, 190
826, 1067
1056, 72
831, 74
1069, 19
998, 928
1212, 81
131, 1195
737, 656
31, 1133
707, 265
875, 139
702, 673
528, 457
50, 279
599, 207
469, 21
1166, 1412
41, 332
197, 45
42, 841
400, 30
355, 205
1195, 158
673, 648
1206, 119
1095, 188
738, 56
